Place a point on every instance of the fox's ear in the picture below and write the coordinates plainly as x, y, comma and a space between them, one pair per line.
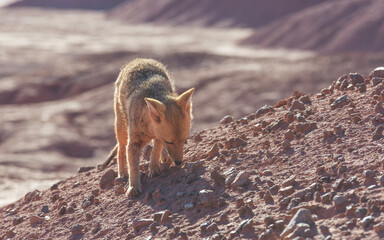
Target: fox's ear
156, 109
184, 100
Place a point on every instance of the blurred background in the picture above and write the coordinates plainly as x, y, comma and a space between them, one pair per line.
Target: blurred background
59, 60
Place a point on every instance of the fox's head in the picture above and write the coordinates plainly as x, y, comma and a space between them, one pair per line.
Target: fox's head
171, 122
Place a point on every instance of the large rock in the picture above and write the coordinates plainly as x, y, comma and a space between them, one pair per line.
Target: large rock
302, 216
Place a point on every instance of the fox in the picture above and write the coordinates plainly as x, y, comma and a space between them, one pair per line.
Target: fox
147, 108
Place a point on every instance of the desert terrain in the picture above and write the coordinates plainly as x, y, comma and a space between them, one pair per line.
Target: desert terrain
57, 73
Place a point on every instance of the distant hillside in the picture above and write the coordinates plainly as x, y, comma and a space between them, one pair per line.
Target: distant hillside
69, 4
334, 26
220, 13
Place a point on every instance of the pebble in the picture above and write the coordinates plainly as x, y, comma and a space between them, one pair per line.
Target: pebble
17, 220
361, 212
77, 229
245, 211
376, 81
207, 198
226, 119
165, 217
289, 117
218, 179
63, 210
286, 145
241, 179
377, 72
235, 143
139, 223
188, 206
119, 189
381, 180
45, 209
378, 133
107, 180
32, 196
286, 191
266, 173
356, 78
288, 135
289, 181
340, 102
365, 222
339, 200
88, 216
268, 197
191, 177
297, 105
70, 209
284, 202
263, 110
213, 151
179, 195
33, 220
85, 169
379, 227
326, 198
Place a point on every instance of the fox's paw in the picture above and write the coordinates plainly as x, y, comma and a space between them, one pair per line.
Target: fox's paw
154, 171
133, 191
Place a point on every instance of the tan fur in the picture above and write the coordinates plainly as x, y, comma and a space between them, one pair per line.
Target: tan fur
147, 108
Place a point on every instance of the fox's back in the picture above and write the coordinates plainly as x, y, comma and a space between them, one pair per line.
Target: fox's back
142, 78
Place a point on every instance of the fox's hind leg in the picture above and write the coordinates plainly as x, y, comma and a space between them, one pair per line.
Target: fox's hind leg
121, 132
154, 164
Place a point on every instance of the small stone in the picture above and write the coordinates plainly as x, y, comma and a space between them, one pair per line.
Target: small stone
284, 202
96, 192
356, 78
289, 181
88, 216
340, 102
165, 216
188, 206
379, 227
376, 81
378, 72
339, 200
217, 178
191, 177
288, 135
268, 197
70, 209
119, 189
235, 143
86, 204
179, 195
213, 151
361, 212
85, 169
286, 145
226, 119
378, 133
368, 220
297, 105
107, 180
381, 180
266, 173
33, 220
326, 198
63, 210
325, 91
44, 209
245, 211
264, 110
245, 225
368, 174
207, 198
289, 117
139, 223
77, 229
241, 179
286, 191
17, 220
324, 230
32, 196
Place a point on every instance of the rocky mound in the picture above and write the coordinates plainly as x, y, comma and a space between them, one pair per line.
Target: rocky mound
310, 166
68, 4
333, 26
221, 13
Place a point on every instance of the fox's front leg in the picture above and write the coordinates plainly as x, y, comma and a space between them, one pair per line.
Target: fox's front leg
154, 164
134, 153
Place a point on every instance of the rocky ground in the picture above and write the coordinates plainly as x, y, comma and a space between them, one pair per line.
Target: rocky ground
57, 70
310, 166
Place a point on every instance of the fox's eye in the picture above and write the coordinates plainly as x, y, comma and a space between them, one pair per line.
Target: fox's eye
168, 142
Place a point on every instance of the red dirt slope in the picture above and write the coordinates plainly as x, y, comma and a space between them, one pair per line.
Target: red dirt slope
334, 26
310, 166
222, 13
